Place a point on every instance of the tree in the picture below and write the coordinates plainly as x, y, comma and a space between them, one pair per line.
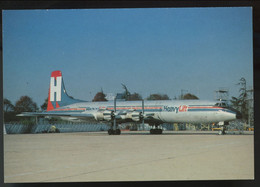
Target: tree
8, 109
190, 96
235, 102
240, 102
8, 106
25, 104
158, 97
134, 97
243, 98
45, 104
100, 96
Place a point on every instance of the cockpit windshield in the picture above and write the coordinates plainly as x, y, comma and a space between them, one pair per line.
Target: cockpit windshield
222, 104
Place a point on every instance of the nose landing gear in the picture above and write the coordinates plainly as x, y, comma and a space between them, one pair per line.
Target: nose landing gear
223, 128
222, 132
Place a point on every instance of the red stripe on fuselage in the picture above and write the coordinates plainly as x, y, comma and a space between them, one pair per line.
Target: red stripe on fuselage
69, 109
127, 108
204, 107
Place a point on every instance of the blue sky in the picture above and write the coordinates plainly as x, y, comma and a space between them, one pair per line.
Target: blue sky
155, 50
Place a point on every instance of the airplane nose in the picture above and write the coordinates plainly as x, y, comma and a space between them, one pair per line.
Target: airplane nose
238, 115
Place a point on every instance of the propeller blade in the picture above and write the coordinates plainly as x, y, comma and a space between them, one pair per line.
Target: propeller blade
114, 125
143, 113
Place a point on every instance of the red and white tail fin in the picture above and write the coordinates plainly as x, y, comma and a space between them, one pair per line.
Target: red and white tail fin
57, 93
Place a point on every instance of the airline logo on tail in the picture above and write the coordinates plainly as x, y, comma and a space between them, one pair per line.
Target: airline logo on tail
55, 90
57, 93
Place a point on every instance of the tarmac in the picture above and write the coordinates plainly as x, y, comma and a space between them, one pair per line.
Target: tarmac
131, 156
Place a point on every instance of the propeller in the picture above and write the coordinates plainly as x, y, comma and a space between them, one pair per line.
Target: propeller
114, 125
143, 113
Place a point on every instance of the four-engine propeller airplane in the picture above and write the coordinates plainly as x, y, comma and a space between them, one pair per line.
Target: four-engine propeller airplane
154, 113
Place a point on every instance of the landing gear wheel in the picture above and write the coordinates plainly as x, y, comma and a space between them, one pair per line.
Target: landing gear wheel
114, 132
118, 132
156, 131
222, 131
110, 131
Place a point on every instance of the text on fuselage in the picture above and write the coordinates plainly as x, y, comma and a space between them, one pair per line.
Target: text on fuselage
181, 108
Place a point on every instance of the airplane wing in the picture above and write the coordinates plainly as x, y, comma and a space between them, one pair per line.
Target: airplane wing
55, 114
91, 117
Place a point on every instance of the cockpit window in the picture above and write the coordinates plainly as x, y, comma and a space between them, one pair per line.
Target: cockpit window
221, 104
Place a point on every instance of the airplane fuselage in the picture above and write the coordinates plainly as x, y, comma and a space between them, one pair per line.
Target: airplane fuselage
114, 112
169, 111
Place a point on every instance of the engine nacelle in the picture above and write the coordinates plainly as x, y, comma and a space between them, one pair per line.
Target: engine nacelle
108, 115
135, 116
105, 115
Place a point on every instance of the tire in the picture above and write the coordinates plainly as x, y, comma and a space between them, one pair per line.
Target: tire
118, 132
110, 131
156, 131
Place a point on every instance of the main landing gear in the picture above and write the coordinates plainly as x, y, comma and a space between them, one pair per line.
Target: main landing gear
156, 130
114, 132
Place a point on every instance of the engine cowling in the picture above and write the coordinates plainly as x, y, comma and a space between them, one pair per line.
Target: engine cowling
105, 115
108, 115
135, 116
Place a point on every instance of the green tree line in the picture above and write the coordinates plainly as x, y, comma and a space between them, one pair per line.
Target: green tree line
24, 104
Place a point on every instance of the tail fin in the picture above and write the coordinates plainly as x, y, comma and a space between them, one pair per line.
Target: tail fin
57, 93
